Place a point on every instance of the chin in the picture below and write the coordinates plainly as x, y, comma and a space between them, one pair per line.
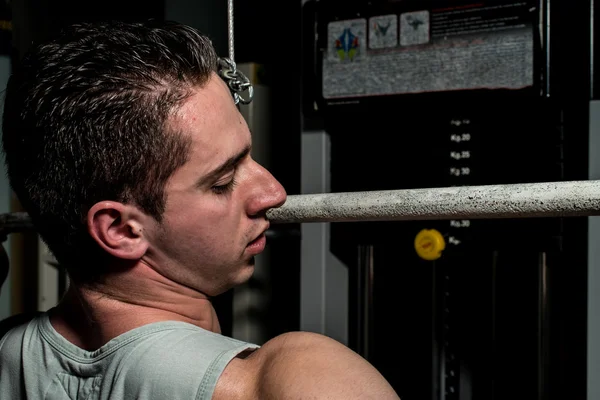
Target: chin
246, 273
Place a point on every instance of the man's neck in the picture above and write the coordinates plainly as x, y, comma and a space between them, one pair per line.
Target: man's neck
90, 316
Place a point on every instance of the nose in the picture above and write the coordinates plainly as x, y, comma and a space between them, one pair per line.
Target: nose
266, 192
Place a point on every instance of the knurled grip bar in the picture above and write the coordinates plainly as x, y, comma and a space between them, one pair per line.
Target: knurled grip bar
548, 199
551, 199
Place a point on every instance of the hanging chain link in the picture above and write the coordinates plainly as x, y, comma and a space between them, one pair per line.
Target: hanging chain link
238, 83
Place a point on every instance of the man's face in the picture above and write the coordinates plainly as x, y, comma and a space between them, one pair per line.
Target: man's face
214, 221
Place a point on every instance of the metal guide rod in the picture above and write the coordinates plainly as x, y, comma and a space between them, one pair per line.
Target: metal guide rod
551, 199
13, 223
230, 36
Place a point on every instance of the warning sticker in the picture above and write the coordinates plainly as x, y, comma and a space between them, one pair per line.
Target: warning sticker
347, 40
383, 31
347, 54
414, 28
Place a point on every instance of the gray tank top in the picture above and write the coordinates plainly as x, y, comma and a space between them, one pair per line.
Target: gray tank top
163, 360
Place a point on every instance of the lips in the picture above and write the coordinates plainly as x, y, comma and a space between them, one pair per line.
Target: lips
256, 240
258, 244
260, 235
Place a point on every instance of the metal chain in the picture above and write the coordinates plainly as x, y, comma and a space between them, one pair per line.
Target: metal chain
236, 80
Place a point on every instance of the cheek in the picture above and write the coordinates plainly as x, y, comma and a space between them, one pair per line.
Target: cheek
203, 241
185, 208
208, 220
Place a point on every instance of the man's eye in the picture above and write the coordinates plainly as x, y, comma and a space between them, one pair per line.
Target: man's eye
224, 189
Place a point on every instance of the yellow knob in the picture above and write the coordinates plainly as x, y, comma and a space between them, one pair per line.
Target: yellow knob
429, 244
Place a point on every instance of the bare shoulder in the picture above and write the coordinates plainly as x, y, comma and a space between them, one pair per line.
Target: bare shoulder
299, 365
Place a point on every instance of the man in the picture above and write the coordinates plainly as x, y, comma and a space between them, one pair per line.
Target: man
127, 150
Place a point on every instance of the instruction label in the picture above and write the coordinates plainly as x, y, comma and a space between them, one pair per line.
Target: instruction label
454, 48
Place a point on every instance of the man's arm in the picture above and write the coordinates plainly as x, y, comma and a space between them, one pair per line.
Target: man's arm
303, 365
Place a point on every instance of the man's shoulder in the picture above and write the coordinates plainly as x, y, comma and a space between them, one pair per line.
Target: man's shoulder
297, 343
291, 344
19, 320
12, 334
242, 378
283, 356
16, 335
302, 365
175, 346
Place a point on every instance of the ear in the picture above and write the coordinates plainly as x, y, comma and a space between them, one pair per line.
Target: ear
118, 229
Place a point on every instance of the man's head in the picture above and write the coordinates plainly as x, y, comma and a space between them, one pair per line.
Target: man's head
98, 126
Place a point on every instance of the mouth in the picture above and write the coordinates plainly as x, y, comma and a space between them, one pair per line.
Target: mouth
257, 245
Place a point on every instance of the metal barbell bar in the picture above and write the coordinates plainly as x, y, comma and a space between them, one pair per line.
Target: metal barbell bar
526, 200
547, 199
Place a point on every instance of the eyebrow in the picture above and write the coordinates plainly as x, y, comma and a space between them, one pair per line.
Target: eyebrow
229, 164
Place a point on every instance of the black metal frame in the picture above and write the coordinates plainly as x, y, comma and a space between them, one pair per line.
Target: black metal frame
559, 100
